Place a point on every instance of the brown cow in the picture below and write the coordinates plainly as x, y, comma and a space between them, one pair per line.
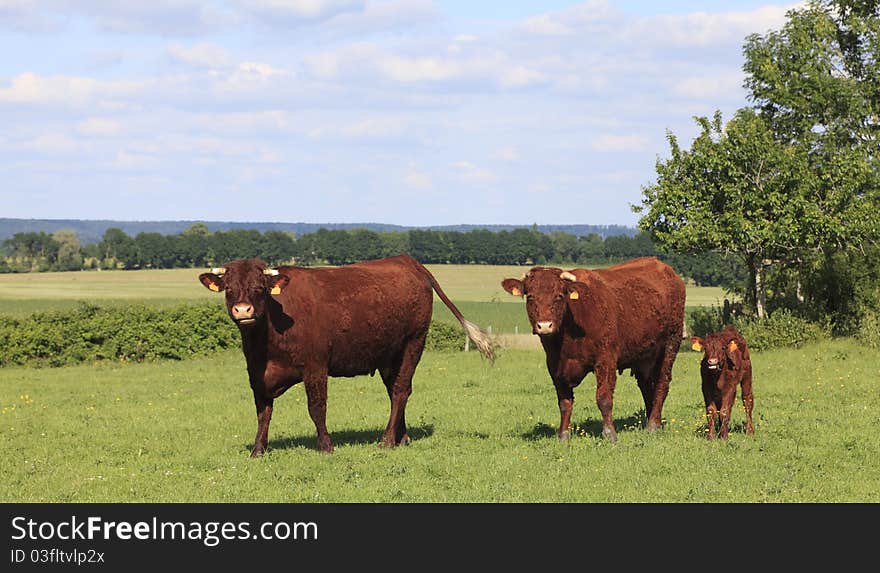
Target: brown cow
303, 325
629, 315
725, 364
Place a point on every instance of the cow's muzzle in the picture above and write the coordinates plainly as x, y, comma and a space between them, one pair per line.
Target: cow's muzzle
243, 313
713, 364
545, 327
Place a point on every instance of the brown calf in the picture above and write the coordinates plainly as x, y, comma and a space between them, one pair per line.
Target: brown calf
726, 364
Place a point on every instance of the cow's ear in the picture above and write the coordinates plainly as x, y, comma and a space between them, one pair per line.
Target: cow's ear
732, 346
576, 291
212, 281
277, 283
696, 343
513, 286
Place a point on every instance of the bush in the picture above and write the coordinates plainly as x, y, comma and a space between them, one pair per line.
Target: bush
705, 320
128, 333
445, 336
869, 329
782, 328
139, 333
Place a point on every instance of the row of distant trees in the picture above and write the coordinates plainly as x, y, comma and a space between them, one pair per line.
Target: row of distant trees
197, 247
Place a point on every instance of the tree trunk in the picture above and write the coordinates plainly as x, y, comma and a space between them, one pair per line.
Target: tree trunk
757, 289
760, 291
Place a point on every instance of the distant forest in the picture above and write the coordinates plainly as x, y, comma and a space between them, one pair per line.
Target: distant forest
92, 231
199, 247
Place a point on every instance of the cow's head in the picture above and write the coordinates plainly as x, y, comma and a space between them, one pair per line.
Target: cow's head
248, 285
720, 351
549, 293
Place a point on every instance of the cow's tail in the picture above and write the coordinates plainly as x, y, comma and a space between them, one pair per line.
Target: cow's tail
474, 332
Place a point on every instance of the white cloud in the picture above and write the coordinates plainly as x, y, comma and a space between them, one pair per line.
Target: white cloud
30, 88
508, 153
612, 142
273, 12
52, 143
721, 86
203, 55
99, 126
418, 180
470, 173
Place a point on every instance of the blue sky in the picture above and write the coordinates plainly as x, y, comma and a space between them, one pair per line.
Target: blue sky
412, 112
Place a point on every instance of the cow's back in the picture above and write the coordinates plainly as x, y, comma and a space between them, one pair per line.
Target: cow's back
647, 303
358, 316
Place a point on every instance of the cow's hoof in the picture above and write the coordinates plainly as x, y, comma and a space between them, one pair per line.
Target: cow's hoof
564, 436
325, 446
610, 435
652, 426
257, 452
405, 440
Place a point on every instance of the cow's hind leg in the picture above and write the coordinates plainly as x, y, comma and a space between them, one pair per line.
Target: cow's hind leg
316, 394
398, 382
662, 377
606, 380
644, 378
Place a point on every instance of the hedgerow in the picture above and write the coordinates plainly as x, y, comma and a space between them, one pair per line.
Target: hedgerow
137, 333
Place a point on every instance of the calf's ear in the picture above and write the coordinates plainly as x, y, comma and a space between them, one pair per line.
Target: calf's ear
513, 286
277, 283
212, 282
696, 343
732, 346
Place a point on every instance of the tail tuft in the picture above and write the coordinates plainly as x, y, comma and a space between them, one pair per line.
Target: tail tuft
480, 338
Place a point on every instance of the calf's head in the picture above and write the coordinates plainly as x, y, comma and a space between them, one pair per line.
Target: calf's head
549, 293
248, 285
720, 351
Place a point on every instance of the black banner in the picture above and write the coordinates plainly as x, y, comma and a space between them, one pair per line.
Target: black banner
113, 536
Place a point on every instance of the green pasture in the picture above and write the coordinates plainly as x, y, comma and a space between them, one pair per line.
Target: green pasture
181, 432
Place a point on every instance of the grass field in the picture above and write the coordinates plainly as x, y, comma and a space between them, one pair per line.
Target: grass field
22, 294
181, 431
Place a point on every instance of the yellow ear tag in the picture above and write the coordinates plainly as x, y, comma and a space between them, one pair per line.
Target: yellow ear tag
214, 287
732, 346
696, 346
515, 292
275, 290
573, 295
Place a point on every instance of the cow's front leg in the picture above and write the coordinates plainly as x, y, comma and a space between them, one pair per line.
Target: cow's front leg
565, 395
316, 393
264, 416
606, 379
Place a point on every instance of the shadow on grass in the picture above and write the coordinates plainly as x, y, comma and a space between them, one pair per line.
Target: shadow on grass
590, 427
732, 428
343, 438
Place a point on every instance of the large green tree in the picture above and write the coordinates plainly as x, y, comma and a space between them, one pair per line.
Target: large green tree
816, 82
737, 190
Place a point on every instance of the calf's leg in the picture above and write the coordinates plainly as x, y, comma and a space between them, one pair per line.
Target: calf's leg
748, 398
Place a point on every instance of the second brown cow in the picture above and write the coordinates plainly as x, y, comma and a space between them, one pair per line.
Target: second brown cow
629, 315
